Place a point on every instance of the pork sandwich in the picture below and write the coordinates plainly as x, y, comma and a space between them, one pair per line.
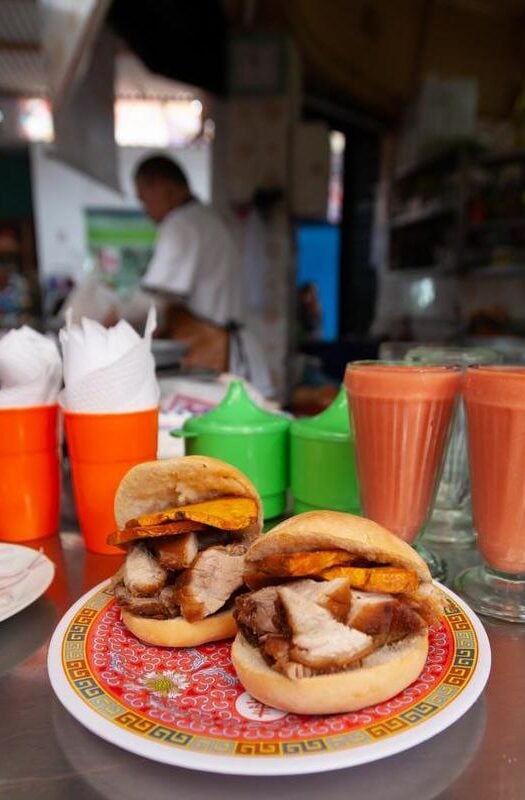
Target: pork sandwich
185, 524
337, 617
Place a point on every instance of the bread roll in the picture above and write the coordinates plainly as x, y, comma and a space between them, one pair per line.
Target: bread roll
376, 677
382, 675
158, 486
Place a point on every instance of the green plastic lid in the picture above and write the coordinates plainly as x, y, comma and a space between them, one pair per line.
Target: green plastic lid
332, 424
237, 413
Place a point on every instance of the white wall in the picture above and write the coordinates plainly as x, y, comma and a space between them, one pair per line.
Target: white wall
61, 195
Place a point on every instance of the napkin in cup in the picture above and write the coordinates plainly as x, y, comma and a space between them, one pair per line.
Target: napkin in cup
108, 369
30, 369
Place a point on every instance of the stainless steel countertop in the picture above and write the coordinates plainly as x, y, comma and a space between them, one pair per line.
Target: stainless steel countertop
45, 754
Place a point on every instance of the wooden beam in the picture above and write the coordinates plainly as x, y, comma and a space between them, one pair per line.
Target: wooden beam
427, 9
490, 8
19, 47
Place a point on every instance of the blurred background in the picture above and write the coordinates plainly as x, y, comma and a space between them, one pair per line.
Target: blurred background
369, 157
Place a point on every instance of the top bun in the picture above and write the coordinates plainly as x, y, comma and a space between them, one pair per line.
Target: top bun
315, 530
158, 485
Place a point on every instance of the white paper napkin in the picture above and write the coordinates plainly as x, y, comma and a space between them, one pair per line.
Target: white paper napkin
30, 369
108, 369
15, 563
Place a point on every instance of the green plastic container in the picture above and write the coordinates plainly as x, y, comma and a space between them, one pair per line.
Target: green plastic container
253, 440
322, 460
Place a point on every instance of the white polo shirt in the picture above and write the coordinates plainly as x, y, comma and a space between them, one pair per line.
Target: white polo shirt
196, 258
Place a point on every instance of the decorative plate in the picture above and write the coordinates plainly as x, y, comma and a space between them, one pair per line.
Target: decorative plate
25, 574
185, 706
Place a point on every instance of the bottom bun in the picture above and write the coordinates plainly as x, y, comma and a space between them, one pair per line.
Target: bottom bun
384, 673
178, 632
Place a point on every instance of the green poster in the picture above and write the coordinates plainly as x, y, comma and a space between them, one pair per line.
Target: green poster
121, 244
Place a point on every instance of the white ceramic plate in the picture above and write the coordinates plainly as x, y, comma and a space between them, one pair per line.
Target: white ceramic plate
185, 707
25, 574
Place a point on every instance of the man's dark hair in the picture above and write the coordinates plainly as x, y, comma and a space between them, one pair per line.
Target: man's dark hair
163, 168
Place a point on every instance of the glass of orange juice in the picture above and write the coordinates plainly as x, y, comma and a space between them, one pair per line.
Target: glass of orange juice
494, 399
401, 414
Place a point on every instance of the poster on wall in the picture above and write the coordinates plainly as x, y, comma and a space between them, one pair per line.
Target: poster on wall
69, 30
120, 243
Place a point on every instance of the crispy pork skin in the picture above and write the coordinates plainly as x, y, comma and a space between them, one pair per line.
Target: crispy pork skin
384, 617
208, 584
143, 575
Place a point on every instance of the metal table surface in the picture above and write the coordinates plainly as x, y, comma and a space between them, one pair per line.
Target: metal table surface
45, 754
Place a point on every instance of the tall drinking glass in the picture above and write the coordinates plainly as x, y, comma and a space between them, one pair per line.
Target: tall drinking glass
401, 415
495, 404
451, 519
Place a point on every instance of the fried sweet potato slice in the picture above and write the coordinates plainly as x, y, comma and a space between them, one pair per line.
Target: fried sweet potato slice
390, 580
182, 526
226, 513
301, 564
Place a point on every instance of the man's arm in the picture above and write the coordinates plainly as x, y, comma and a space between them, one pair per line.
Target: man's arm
135, 309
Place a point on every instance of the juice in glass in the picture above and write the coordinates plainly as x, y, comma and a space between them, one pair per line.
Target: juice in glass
495, 400
401, 416
495, 405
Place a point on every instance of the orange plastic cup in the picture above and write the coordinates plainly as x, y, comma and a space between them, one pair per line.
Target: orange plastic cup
29, 473
102, 448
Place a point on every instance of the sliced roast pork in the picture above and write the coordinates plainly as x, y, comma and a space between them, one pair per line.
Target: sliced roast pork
307, 627
176, 552
318, 640
207, 585
160, 606
334, 595
143, 575
384, 617
212, 537
255, 613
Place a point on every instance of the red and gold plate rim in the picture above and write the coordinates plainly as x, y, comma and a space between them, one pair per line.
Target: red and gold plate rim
180, 705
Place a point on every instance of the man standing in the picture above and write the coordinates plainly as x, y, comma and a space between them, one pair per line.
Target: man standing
194, 276
194, 280
196, 263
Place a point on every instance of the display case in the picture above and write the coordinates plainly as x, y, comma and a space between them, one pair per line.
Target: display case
495, 216
460, 212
